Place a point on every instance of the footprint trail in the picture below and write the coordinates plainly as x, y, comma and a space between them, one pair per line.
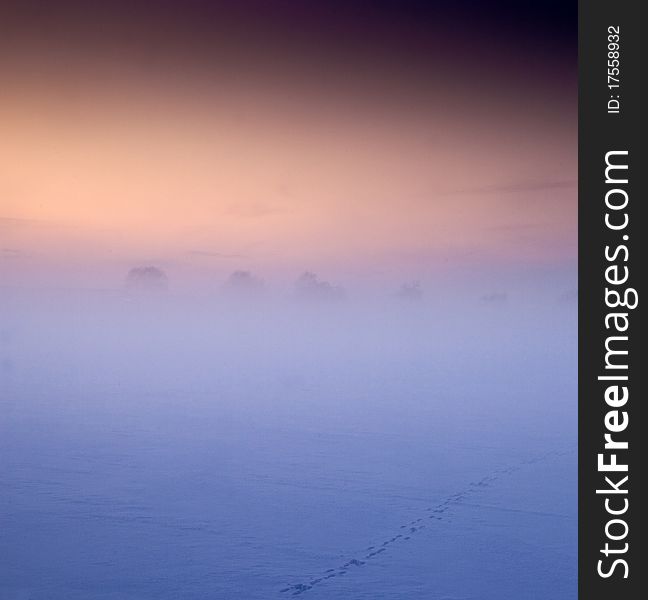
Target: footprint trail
436, 512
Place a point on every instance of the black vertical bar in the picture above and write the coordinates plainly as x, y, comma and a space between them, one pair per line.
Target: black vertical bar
611, 120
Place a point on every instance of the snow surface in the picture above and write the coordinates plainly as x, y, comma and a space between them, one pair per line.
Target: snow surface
150, 450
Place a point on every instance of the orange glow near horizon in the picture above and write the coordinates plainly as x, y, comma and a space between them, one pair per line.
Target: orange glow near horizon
265, 178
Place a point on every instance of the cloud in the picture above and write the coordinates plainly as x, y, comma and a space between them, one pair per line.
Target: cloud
513, 188
515, 227
7, 223
11, 253
208, 253
254, 210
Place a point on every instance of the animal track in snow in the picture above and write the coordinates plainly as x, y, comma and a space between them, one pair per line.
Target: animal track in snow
435, 512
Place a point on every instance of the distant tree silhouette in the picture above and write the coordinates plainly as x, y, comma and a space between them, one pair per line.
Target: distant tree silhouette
411, 291
244, 284
309, 287
496, 298
568, 297
147, 279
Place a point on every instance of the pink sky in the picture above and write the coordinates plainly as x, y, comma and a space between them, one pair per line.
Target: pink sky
205, 173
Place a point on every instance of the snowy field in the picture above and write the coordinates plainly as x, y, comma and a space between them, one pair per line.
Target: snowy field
157, 449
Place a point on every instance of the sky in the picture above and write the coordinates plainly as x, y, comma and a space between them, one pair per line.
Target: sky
228, 441
364, 141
